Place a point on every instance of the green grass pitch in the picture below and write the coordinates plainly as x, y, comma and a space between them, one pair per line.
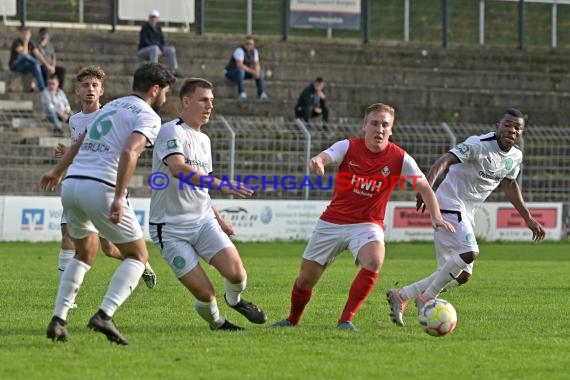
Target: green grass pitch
513, 321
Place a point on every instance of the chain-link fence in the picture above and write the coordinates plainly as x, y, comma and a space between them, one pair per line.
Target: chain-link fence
274, 152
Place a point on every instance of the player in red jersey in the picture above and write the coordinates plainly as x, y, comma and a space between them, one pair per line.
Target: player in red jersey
370, 167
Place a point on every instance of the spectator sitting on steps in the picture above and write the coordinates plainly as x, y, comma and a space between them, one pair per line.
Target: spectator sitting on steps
55, 105
152, 45
244, 64
22, 59
45, 53
312, 103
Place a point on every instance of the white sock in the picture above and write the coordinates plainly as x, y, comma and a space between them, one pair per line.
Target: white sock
451, 284
209, 312
450, 270
233, 291
415, 289
147, 266
69, 285
123, 283
65, 256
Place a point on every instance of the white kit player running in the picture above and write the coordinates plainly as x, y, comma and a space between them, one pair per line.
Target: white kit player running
104, 161
183, 224
476, 168
89, 89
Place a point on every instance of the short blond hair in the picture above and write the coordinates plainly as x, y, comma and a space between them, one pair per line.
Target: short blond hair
380, 107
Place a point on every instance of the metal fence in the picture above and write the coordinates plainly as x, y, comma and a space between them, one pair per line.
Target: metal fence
273, 147
491, 22
277, 148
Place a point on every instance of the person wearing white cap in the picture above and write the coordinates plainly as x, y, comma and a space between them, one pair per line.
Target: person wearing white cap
152, 45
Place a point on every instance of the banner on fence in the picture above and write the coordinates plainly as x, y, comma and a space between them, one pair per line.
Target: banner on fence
7, 7
38, 219
324, 14
170, 10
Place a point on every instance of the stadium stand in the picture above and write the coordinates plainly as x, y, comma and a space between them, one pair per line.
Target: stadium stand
465, 88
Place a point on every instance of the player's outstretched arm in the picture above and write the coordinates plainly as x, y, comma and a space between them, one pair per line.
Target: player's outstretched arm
318, 163
198, 178
513, 193
428, 196
51, 178
437, 170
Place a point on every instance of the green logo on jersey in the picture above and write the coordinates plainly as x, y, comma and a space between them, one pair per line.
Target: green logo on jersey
101, 126
172, 144
203, 147
471, 238
509, 163
179, 262
462, 148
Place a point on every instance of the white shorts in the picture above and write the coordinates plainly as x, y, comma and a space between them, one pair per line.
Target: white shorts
329, 240
182, 247
448, 244
87, 203
63, 218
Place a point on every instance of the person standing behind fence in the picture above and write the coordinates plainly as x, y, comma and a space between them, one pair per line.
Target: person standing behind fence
312, 102
183, 224
476, 167
354, 219
94, 198
22, 58
47, 57
244, 64
152, 45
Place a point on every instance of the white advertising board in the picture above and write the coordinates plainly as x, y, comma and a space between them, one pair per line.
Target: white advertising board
493, 221
170, 10
7, 7
38, 219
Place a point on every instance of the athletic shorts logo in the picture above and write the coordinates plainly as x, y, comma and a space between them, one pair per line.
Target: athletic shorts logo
179, 262
471, 238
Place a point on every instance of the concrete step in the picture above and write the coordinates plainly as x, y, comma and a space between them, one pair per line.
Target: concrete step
318, 51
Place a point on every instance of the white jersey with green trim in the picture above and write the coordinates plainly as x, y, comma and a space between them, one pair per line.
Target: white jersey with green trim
79, 122
482, 167
106, 136
181, 203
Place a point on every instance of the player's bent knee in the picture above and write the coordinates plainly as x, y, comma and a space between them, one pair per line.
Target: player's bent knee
469, 257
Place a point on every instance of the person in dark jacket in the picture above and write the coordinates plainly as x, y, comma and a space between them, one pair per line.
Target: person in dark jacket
312, 102
244, 64
22, 58
152, 45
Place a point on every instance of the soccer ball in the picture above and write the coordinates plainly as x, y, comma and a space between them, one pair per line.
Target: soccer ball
438, 317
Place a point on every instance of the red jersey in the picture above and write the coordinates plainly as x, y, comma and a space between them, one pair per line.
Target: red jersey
364, 184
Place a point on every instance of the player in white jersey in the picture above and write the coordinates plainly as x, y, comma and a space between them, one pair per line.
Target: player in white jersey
89, 89
476, 168
104, 160
183, 224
